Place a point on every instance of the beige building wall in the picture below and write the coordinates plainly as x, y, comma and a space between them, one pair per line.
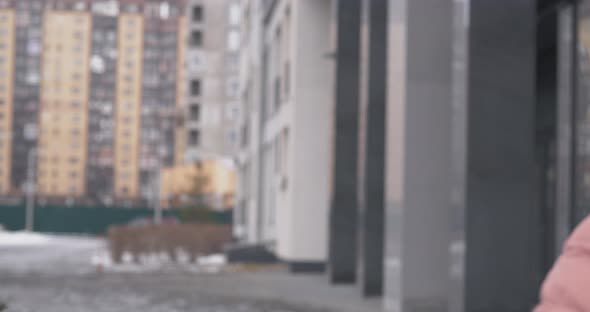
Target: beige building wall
7, 41
63, 120
128, 105
179, 180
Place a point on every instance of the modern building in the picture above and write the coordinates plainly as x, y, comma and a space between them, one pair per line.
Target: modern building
458, 143
286, 129
212, 106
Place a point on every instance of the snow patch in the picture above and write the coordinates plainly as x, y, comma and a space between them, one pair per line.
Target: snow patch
23, 239
157, 262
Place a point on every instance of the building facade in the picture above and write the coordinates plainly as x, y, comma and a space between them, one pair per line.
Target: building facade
212, 106
286, 69
457, 138
65, 93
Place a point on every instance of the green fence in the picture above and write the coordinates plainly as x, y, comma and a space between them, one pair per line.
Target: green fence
86, 220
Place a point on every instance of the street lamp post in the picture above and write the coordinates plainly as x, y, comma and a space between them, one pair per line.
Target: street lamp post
157, 190
30, 199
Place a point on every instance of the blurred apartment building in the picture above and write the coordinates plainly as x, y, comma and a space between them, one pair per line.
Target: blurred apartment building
213, 181
211, 108
100, 90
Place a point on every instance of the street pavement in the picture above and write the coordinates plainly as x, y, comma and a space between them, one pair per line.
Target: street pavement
58, 276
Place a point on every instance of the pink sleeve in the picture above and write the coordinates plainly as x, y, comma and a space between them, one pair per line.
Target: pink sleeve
566, 287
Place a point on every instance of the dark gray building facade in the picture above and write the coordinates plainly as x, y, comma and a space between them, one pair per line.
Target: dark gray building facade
472, 148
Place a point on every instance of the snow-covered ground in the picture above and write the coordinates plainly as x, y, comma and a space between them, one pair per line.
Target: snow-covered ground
22, 252
53, 273
25, 252
23, 239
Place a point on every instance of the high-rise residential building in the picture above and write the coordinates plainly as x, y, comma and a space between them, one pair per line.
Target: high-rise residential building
211, 107
7, 43
27, 24
63, 113
98, 88
101, 108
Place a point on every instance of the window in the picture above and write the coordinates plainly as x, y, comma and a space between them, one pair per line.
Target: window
73, 174
277, 148
234, 15
285, 150
194, 137
75, 104
196, 87
196, 38
195, 112
233, 41
73, 189
287, 78
277, 92
197, 13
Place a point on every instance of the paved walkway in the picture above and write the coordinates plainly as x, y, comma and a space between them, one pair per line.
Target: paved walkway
57, 276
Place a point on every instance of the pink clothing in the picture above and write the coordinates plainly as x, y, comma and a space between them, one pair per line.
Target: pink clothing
567, 287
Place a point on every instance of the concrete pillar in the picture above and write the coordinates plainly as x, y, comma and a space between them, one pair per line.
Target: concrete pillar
418, 153
463, 219
503, 259
343, 212
372, 145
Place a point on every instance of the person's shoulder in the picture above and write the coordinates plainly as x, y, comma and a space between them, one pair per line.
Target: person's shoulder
580, 238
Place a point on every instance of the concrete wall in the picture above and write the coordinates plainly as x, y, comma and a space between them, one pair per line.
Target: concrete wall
311, 134
209, 64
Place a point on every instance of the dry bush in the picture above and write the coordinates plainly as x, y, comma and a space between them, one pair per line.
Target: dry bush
195, 239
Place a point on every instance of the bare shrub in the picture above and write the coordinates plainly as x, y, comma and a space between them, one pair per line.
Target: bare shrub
194, 239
